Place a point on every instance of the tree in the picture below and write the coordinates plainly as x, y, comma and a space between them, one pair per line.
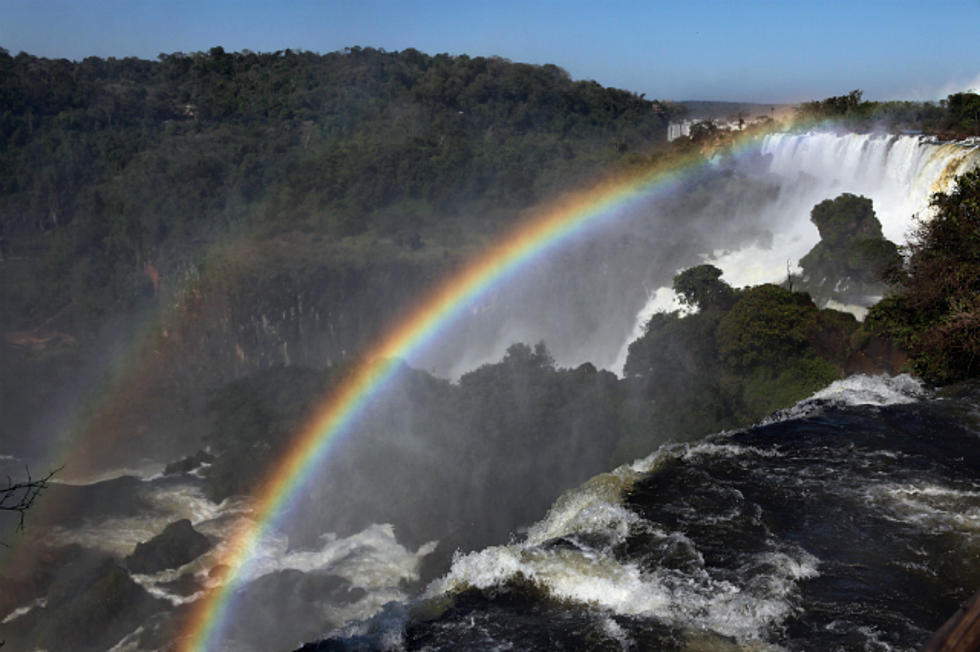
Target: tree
701, 287
936, 313
768, 326
703, 131
852, 257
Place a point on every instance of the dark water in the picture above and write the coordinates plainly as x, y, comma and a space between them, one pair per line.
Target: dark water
838, 525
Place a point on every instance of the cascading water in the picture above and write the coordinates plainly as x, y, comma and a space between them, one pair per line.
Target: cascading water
898, 173
747, 214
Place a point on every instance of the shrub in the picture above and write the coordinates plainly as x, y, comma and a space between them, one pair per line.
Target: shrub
936, 312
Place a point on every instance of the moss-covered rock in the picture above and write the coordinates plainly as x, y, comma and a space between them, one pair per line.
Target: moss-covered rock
852, 257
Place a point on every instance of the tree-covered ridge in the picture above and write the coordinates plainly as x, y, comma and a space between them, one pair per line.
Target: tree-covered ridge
125, 163
957, 116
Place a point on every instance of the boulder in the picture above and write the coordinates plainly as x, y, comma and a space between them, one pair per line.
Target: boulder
178, 544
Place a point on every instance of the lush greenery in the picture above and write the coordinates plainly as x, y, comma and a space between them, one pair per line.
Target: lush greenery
743, 354
117, 171
935, 313
479, 446
852, 258
956, 116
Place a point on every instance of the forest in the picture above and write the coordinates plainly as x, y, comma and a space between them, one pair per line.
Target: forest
112, 167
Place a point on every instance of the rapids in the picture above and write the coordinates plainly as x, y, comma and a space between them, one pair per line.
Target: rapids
851, 521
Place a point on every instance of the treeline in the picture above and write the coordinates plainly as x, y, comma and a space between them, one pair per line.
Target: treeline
123, 163
957, 116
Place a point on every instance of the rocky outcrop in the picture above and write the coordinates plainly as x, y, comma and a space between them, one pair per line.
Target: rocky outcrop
88, 604
178, 544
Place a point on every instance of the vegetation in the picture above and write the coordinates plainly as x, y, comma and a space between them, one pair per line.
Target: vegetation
957, 116
852, 258
744, 354
935, 313
120, 171
499, 428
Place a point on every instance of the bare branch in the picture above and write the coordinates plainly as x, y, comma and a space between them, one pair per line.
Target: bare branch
19, 496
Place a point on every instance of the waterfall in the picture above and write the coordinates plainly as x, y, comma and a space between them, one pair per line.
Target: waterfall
898, 173
748, 214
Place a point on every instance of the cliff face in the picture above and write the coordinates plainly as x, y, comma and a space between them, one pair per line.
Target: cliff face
312, 316
139, 384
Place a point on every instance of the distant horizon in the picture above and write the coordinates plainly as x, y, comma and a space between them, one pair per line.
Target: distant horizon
756, 51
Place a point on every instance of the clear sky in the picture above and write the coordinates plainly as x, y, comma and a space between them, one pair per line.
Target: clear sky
757, 50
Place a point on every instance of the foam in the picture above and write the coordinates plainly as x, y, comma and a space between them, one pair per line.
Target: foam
859, 389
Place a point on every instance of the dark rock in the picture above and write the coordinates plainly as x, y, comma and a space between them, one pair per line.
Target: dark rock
90, 605
284, 608
178, 544
185, 585
189, 464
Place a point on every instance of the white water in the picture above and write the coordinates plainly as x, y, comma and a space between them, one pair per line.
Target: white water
859, 389
592, 575
898, 173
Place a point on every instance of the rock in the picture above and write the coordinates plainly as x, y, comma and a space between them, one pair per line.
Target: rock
88, 606
189, 464
178, 544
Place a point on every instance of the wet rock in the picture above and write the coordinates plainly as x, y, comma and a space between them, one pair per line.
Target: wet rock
189, 464
282, 609
90, 605
178, 544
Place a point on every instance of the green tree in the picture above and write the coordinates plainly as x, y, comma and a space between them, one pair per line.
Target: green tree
767, 326
853, 257
936, 312
702, 288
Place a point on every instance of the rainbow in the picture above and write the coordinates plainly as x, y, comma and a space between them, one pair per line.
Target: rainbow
556, 224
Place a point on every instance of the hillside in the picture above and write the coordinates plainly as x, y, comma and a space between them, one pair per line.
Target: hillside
119, 173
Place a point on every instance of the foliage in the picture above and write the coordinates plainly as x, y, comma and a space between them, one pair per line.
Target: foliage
503, 427
845, 218
936, 312
838, 106
252, 420
767, 325
743, 355
125, 163
957, 116
853, 257
700, 287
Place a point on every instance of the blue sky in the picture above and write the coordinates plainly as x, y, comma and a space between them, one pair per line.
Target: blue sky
766, 51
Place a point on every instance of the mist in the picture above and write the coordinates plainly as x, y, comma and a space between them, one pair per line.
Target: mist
182, 309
